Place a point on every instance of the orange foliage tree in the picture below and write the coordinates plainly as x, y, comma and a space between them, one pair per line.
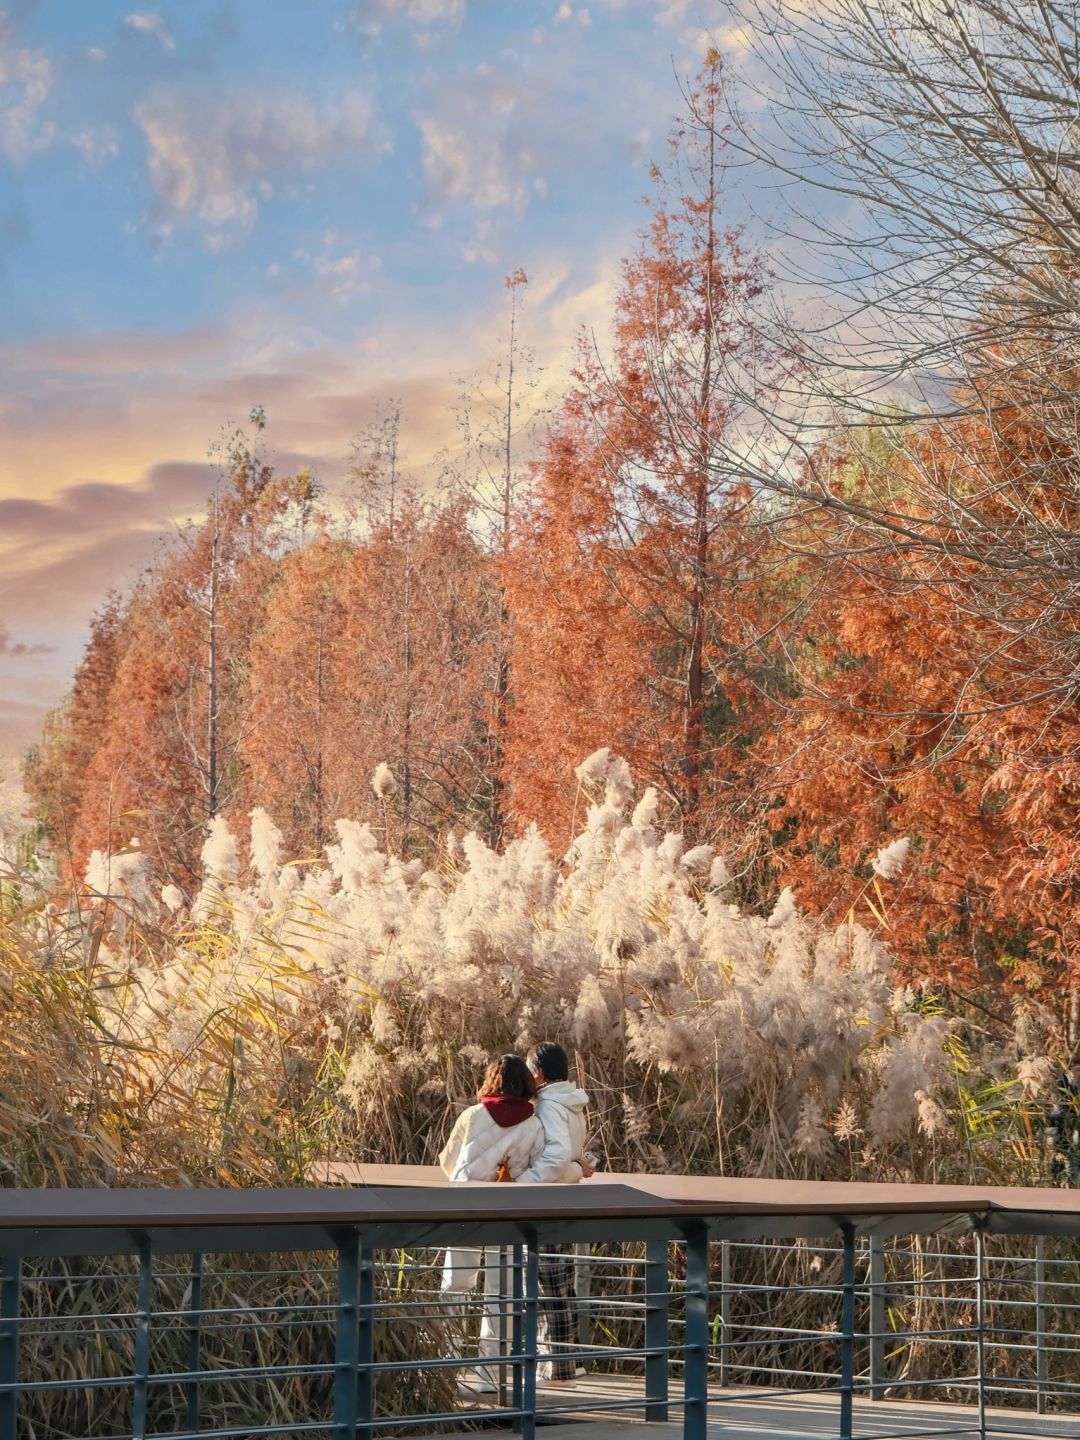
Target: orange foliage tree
630, 574
55, 770
291, 749
412, 672
932, 703
166, 731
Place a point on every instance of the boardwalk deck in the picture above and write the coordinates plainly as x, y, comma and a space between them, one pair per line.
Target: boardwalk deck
745, 1414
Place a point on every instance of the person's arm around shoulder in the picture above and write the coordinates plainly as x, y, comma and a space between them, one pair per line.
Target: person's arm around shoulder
526, 1151
549, 1162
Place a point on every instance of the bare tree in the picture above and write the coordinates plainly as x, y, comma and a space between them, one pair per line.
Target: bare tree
917, 167
928, 154
490, 478
379, 486
917, 164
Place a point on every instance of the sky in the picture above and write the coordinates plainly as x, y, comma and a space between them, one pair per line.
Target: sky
216, 204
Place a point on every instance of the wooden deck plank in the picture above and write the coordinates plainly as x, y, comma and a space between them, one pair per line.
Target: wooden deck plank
741, 1413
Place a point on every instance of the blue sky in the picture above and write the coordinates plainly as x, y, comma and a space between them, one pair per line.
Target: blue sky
218, 203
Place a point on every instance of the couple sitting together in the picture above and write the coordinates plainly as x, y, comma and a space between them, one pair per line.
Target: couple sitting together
528, 1127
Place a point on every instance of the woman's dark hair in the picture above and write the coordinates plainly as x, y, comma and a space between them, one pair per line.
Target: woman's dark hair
550, 1059
508, 1075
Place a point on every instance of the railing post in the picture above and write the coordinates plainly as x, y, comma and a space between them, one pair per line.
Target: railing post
517, 1333
141, 1380
10, 1309
980, 1321
347, 1337
1041, 1366
725, 1314
656, 1330
696, 1337
530, 1315
847, 1334
365, 1342
501, 1327
877, 1318
583, 1268
193, 1387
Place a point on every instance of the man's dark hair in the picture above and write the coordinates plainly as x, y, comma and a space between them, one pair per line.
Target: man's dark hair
550, 1059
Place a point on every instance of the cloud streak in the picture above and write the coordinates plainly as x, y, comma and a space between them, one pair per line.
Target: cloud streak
429, 20
148, 22
8, 646
213, 163
26, 77
65, 553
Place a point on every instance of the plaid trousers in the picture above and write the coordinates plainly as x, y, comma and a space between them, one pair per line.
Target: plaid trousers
557, 1325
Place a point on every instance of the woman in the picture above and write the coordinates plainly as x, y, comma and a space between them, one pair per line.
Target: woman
496, 1139
501, 1130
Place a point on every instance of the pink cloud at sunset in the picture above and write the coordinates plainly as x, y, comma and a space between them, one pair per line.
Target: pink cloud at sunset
210, 209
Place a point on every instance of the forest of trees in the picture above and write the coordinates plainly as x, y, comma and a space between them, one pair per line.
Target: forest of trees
809, 649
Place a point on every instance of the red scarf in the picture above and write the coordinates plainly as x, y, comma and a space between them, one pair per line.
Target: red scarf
507, 1110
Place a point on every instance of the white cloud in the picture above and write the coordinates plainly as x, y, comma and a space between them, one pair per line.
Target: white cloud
213, 162
460, 164
474, 152
425, 12
419, 12
478, 249
339, 277
673, 12
346, 276
428, 20
96, 144
26, 77
148, 22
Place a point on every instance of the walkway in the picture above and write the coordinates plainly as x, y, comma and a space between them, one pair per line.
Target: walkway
743, 1414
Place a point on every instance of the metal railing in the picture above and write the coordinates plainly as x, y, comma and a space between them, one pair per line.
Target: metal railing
323, 1326
979, 1321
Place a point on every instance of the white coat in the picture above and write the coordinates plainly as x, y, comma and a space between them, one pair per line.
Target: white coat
561, 1108
478, 1145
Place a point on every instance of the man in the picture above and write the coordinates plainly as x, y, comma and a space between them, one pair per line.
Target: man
561, 1108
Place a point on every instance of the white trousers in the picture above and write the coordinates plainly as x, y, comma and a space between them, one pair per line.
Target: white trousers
462, 1268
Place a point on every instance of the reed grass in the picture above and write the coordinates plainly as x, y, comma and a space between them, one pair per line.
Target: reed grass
280, 1021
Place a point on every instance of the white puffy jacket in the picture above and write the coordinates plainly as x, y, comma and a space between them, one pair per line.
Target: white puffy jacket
478, 1145
561, 1108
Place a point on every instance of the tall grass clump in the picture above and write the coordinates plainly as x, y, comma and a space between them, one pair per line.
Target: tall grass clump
290, 1011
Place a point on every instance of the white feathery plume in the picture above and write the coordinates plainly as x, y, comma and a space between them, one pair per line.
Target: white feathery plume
619, 790
383, 782
890, 859
718, 874
784, 909
124, 875
646, 810
266, 844
593, 768
1035, 1073
172, 897
698, 857
220, 857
